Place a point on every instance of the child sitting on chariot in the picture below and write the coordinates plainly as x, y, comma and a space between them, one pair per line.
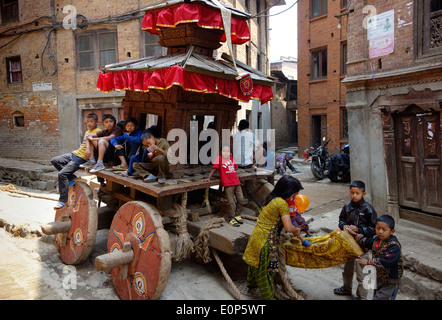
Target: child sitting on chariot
156, 154
226, 167
100, 141
127, 144
68, 163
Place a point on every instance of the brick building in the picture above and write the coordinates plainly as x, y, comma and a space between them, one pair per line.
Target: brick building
284, 104
49, 70
394, 99
322, 49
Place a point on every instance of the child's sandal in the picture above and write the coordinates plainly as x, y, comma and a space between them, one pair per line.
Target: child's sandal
59, 205
234, 223
119, 168
238, 219
72, 182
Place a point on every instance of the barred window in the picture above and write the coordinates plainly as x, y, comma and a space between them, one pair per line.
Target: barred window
9, 10
429, 33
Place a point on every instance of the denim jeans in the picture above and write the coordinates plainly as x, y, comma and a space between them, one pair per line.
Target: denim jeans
66, 164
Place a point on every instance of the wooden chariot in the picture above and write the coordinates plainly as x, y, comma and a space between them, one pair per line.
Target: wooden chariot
155, 223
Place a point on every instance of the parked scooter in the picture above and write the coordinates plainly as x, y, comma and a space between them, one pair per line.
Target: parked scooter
319, 159
338, 168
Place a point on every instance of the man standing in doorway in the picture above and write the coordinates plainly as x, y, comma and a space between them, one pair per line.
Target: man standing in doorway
244, 145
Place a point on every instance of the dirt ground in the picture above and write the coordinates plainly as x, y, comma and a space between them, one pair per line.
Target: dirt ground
30, 267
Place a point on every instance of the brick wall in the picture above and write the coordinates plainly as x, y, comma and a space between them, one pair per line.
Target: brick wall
325, 96
54, 119
403, 55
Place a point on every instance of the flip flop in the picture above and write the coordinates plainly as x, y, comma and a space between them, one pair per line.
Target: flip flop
72, 182
119, 168
59, 205
238, 219
234, 223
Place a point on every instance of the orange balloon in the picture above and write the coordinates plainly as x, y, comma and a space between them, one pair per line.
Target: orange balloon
301, 202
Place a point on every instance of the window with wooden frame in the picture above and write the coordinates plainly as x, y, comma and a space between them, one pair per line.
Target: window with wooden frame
151, 46
344, 4
9, 10
429, 28
18, 119
96, 49
13, 66
318, 8
318, 64
343, 58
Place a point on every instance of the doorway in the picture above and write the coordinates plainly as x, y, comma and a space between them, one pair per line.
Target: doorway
418, 158
319, 129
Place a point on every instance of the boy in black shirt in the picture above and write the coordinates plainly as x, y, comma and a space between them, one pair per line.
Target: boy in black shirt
360, 217
386, 258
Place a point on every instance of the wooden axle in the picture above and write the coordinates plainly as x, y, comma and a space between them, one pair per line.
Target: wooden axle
116, 258
60, 226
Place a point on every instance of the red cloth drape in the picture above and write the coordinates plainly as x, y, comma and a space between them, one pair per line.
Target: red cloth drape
193, 12
175, 75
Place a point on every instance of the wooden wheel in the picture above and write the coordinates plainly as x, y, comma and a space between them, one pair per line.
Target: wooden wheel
140, 224
76, 245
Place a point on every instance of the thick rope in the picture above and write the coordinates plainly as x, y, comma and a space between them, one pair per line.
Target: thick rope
184, 245
287, 286
202, 241
229, 280
13, 189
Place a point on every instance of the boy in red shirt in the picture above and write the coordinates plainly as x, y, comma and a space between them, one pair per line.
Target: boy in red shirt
230, 181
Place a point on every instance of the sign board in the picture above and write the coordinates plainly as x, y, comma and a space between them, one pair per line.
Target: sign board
380, 33
41, 86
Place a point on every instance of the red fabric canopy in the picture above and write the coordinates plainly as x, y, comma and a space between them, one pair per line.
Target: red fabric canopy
193, 12
175, 75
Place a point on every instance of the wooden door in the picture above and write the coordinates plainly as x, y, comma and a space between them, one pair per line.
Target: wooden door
418, 152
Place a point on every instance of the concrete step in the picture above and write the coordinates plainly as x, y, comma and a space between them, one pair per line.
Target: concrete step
421, 247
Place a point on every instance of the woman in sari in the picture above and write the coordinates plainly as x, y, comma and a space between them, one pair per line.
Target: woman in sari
261, 253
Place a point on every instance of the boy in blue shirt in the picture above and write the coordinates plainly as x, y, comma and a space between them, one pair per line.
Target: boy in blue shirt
128, 143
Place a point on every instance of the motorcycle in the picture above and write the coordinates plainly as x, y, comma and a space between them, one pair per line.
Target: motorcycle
319, 160
339, 165
335, 167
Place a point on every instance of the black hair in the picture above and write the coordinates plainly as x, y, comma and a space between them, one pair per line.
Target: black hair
92, 115
266, 144
121, 124
109, 116
243, 124
284, 188
386, 219
133, 120
146, 134
153, 129
358, 184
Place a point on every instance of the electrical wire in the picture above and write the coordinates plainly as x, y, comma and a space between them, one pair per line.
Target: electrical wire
51, 56
275, 14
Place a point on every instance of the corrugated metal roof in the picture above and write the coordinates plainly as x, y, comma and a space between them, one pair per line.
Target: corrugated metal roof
193, 62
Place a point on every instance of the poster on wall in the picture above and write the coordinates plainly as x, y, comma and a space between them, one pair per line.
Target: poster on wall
380, 34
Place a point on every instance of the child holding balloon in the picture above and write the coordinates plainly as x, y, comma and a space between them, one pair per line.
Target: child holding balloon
297, 204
